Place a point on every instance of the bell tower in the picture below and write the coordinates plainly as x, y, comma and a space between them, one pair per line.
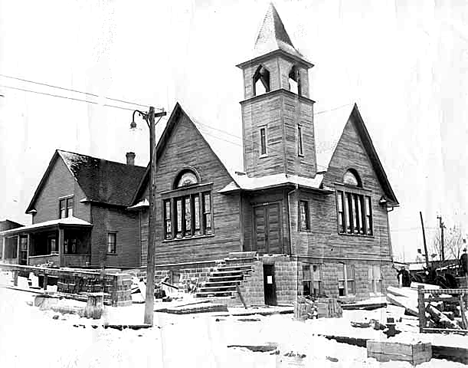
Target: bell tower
277, 113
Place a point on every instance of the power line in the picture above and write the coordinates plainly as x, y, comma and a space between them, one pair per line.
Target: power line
70, 90
66, 97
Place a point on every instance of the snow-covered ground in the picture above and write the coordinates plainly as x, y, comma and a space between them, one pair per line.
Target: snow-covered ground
30, 337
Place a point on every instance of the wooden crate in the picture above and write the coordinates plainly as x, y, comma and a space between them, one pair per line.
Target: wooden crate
385, 351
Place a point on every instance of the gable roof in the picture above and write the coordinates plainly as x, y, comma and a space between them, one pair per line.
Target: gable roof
329, 127
227, 152
102, 181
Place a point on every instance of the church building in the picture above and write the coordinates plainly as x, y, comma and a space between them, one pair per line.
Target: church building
307, 214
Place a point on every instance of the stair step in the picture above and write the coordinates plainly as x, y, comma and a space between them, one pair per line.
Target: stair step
202, 294
221, 272
230, 282
226, 278
218, 287
235, 267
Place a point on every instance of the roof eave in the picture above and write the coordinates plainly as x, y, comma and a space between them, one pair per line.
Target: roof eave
260, 58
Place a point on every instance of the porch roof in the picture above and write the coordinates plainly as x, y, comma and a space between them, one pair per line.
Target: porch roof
67, 221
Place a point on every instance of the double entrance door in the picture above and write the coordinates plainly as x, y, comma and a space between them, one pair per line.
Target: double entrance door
267, 228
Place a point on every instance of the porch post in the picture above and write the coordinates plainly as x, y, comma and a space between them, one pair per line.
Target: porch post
60, 246
27, 249
3, 248
18, 249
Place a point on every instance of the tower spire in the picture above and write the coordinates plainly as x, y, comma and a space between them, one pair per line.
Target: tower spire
273, 36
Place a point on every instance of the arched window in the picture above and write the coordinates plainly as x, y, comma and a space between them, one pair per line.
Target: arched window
351, 177
261, 81
295, 81
186, 178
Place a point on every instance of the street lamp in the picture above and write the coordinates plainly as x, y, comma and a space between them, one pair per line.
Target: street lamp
149, 298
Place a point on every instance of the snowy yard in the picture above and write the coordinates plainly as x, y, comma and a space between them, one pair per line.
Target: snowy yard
33, 338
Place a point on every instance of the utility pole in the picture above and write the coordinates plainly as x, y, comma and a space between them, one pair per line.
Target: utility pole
442, 227
424, 240
149, 297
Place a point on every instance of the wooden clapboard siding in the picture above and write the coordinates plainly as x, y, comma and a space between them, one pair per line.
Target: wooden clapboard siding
59, 183
186, 148
323, 240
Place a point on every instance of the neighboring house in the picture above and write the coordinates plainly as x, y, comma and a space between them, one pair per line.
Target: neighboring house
311, 199
79, 215
11, 253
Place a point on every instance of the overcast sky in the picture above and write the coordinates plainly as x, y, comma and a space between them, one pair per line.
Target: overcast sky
404, 62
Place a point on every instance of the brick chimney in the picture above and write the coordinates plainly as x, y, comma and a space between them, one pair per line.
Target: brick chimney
130, 158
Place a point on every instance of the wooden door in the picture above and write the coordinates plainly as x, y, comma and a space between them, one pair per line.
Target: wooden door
267, 229
269, 286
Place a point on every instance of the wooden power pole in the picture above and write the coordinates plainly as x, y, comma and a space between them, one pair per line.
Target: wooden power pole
442, 245
424, 240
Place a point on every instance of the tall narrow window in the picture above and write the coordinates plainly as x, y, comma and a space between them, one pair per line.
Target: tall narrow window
341, 220
300, 148
207, 213
62, 208
304, 216
346, 285
368, 216
69, 207
306, 280
179, 215
188, 216
167, 219
196, 212
317, 280
263, 142
111, 243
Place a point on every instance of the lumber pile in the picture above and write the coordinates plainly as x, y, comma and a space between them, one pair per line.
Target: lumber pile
385, 351
306, 308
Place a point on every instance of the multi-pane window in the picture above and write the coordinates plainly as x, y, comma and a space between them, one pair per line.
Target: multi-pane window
263, 141
111, 243
300, 147
66, 207
354, 213
375, 279
187, 216
304, 216
317, 280
306, 280
346, 285
70, 246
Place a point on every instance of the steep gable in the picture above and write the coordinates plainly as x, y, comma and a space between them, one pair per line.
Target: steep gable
343, 141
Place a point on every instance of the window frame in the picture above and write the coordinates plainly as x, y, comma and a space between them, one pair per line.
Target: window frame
300, 141
346, 280
263, 141
354, 212
108, 249
375, 284
65, 209
307, 215
177, 199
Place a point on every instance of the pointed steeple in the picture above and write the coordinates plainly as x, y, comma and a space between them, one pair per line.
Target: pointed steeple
273, 35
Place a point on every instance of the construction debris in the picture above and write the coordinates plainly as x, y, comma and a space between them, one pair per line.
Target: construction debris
385, 351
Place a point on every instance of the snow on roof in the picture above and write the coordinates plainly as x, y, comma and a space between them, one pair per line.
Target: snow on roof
243, 182
63, 221
329, 126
